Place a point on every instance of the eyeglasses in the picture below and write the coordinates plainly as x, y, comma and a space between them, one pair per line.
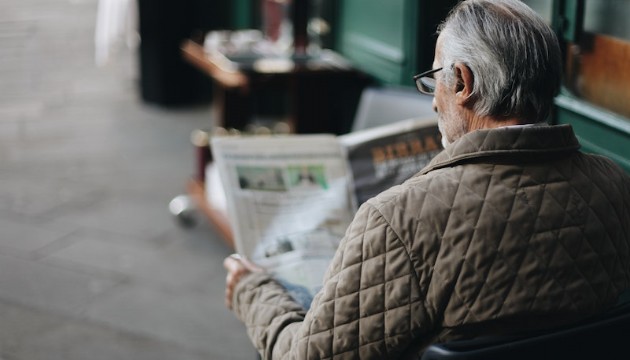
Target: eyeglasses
425, 83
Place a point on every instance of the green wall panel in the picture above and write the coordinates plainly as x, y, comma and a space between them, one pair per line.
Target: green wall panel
598, 130
378, 38
244, 14
390, 40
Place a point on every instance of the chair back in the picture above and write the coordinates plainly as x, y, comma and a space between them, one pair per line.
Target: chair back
607, 337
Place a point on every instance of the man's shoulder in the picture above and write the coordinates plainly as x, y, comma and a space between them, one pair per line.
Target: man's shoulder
605, 175
436, 183
604, 165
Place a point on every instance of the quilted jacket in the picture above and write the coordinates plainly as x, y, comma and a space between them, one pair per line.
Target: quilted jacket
505, 231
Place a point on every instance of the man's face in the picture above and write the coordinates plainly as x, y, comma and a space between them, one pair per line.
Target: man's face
451, 123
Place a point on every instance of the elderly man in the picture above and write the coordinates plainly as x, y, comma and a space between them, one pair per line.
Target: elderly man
510, 229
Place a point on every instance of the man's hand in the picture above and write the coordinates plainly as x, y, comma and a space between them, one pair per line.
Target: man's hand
236, 267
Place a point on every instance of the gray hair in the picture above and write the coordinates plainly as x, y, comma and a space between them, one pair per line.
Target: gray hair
513, 54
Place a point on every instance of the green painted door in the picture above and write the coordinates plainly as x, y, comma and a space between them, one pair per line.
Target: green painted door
389, 40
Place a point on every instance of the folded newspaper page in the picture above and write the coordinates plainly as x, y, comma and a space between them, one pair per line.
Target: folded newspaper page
288, 203
387, 155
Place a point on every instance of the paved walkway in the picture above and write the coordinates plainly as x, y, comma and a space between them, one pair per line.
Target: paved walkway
92, 265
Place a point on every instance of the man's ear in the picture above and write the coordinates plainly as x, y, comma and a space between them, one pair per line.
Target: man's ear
465, 82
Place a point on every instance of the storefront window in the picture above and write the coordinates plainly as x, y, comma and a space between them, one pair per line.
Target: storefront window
598, 63
608, 17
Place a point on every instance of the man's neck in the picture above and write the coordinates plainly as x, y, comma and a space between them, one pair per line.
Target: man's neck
488, 122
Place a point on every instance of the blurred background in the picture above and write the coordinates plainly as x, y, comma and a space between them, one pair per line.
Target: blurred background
92, 263
98, 102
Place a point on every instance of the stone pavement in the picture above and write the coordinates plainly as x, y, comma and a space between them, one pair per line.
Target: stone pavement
92, 264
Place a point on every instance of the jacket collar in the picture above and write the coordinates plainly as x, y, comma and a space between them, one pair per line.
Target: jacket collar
507, 142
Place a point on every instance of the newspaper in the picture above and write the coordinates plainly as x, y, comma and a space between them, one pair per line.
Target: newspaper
387, 155
288, 201
291, 198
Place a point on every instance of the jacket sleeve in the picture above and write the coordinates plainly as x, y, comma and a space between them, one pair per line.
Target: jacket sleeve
370, 306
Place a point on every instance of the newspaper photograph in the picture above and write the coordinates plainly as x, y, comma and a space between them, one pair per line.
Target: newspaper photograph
288, 201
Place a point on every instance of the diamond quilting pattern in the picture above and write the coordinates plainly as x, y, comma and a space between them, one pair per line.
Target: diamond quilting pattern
378, 288
466, 243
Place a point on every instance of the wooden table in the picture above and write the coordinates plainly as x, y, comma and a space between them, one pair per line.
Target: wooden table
323, 90
217, 217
